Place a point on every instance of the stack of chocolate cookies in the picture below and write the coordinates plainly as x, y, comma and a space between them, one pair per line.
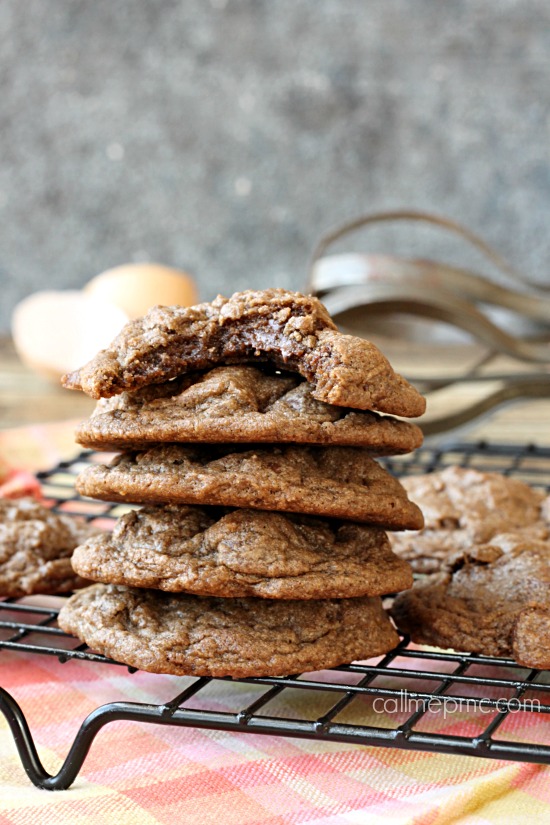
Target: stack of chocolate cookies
247, 428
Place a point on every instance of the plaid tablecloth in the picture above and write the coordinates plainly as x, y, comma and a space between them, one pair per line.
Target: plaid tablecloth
138, 773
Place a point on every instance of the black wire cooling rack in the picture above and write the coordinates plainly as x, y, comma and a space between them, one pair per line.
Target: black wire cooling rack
507, 705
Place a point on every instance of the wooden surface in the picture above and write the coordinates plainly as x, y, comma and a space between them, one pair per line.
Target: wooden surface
26, 398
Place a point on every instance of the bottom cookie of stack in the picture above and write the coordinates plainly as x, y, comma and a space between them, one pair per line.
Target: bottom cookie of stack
184, 634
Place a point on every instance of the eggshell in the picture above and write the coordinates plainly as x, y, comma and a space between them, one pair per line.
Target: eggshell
57, 332
135, 288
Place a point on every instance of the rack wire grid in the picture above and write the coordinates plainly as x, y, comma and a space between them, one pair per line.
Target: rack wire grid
420, 684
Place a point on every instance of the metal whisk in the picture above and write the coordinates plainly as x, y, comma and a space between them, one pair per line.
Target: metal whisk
358, 289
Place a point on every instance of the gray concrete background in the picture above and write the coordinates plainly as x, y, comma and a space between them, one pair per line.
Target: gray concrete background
224, 137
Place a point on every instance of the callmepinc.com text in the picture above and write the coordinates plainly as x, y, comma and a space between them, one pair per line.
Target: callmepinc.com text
448, 705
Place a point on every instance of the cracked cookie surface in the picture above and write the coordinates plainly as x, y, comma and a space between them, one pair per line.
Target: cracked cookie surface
495, 601
290, 330
194, 635
338, 482
243, 553
463, 506
238, 404
36, 547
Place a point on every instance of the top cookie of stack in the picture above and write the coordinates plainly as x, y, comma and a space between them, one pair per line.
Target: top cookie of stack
254, 402
152, 366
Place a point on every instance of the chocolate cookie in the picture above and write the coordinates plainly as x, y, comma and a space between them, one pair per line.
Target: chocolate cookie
495, 601
36, 547
290, 330
339, 482
183, 634
238, 404
462, 507
243, 553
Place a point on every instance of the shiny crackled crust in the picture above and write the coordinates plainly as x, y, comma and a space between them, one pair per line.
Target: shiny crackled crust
36, 547
464, 506
290, 330
338, 482
496, 601
238, 404
243, 553
184, 634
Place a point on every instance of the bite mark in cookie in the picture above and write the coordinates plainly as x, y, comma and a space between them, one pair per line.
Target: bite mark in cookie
287, 329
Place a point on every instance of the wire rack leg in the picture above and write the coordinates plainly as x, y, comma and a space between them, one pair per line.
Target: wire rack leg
79, 749
166, 714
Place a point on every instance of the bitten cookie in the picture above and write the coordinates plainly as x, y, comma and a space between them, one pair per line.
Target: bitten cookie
36, 547
243, 553
495, 601
463, 507
339, 482
238, 404
290, 330
183, 634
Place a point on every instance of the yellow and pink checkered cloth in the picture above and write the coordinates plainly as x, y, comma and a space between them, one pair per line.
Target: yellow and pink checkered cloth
140, 774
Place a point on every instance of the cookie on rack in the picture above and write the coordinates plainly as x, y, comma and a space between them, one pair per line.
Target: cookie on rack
238, 404
200, 636
463, 506
338, 482
243, 553
36, 546
289, 330
495, 601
